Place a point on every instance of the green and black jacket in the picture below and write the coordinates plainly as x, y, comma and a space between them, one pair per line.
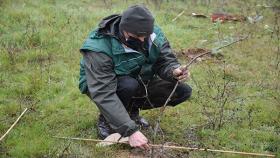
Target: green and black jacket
105, 58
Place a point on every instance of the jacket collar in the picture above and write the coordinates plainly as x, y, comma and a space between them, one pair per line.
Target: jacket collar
110, 25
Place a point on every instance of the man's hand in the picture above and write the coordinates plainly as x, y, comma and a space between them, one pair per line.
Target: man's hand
137, 139
181, 73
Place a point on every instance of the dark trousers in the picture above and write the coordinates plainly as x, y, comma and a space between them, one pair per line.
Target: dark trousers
132, 93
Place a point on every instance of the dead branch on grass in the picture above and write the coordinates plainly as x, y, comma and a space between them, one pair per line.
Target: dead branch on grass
178, 16
13, 124
173, 147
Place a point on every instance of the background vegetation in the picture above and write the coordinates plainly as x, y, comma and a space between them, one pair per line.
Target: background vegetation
235, 103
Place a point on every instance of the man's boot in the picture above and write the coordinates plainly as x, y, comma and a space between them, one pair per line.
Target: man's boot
134, 115
104, 130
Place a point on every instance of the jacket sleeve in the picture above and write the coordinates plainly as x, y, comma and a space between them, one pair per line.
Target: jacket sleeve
102, 86
166, 62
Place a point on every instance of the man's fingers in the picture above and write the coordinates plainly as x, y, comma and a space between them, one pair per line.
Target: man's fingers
183, 77
141, 147
183, 68
180, 71
138, 140
146, 146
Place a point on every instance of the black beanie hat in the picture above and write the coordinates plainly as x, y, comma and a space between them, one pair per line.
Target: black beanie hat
137, 20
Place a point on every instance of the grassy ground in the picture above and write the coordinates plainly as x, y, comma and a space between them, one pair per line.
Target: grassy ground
235, 103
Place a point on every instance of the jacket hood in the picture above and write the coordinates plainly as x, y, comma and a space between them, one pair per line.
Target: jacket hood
110, 25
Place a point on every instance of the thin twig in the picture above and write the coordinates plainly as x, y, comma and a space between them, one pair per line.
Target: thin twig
208, 52
178, 16
13, 124
240, 39
163, 108
173, 147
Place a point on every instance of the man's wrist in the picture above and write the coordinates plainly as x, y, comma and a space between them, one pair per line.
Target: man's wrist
131, 131
134, 132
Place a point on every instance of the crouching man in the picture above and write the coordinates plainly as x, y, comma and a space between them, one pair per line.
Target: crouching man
127, 66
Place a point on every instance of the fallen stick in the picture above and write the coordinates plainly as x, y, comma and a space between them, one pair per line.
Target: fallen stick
212, 150
13, 124
173, 147
90, 140
178, 16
